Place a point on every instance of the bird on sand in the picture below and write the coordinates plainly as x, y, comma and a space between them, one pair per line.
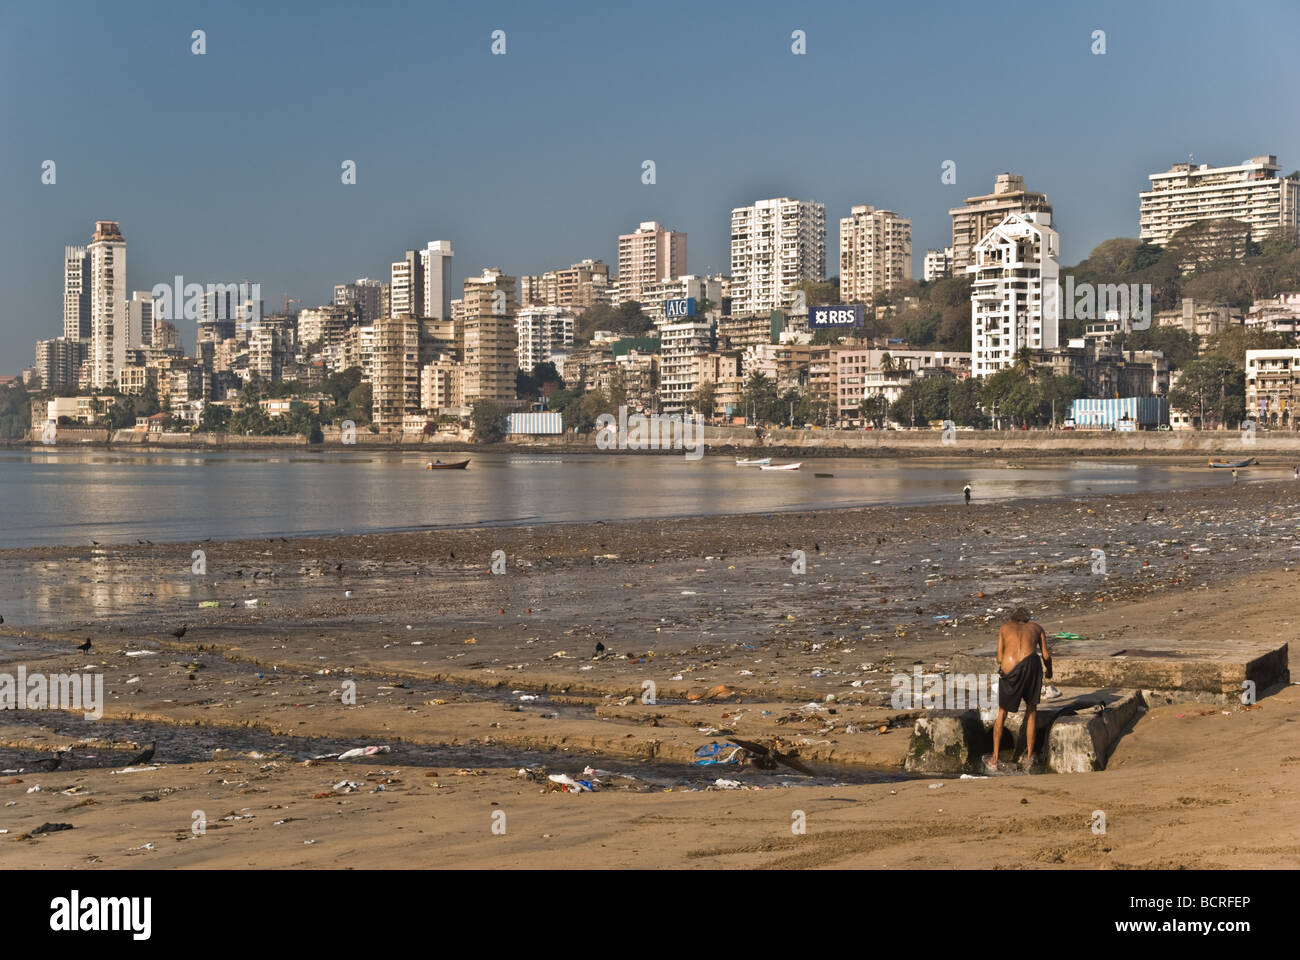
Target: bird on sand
180, 632
52, 763
145, 756
84, 647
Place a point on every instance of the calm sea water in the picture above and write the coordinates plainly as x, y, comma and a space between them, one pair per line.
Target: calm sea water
50, 497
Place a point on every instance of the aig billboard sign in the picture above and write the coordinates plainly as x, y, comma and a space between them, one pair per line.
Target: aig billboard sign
676, 309
844, 316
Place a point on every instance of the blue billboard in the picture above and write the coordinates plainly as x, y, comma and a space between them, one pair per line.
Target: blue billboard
839, 316
676, 309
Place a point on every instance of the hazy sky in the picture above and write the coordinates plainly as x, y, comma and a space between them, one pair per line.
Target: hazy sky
226, 166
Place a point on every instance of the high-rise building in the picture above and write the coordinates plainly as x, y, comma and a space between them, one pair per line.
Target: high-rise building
76, 294
938, 265
58, 362
574, 288
652, 253
435, 264
395, 369
1014, 278
679, 371
108, 312
775, 244
487, 338
140, 319
981, 214
875, 253
541, 331
689, 287
1252, 192
369, 296
406, 292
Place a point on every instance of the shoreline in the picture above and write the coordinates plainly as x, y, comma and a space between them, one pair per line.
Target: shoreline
459, 671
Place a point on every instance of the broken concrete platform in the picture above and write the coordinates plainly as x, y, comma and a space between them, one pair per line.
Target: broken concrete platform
1074, 733
1187, 671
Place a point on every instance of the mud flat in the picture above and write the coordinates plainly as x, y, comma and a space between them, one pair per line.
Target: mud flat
470, 677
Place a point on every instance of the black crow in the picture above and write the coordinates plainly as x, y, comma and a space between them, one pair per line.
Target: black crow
84, 646
145, 756
179, 633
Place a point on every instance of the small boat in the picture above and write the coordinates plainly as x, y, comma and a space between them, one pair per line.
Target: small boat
1232, 464
754, 463
782, 466
456, 465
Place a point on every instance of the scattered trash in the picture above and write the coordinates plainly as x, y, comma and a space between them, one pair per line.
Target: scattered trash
726, 784
709, 755
362, 752
205, 604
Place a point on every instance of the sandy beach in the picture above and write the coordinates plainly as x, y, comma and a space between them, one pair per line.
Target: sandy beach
481, 685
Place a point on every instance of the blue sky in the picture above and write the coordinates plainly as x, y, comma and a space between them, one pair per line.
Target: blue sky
226, 166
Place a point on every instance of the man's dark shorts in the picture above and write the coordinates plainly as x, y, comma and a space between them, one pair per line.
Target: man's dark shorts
1024, 682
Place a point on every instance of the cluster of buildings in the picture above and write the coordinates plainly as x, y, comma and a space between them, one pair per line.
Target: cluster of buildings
429, 347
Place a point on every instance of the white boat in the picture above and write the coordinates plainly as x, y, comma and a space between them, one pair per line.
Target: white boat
754, 463
782, 466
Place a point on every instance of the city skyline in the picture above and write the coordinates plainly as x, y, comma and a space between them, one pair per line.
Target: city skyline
261, 208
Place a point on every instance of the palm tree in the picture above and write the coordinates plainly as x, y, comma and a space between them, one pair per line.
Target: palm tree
1024, 364
887, 362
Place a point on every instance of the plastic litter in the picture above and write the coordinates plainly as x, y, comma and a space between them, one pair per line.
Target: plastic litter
363, 752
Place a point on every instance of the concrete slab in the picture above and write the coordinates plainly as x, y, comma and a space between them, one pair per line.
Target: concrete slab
1163, 665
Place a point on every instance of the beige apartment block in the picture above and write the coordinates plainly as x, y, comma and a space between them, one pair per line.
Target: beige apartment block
1253, 192
395, 370
487, 336
652, 253
875, 253
973, 221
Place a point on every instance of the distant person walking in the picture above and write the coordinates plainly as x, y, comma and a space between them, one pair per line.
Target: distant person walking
1295, 473
1234, 474
967, 492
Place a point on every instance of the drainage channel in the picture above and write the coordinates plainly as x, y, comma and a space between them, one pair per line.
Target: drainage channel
195, 744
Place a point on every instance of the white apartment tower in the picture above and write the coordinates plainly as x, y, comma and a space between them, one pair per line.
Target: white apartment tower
542, 331
108, 299
1252, 192
775, 244
938, 265
76, 294
435, 264
1014, 275
651, 254
875, 253
406, 291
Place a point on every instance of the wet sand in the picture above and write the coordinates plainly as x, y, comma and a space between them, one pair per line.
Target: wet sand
447, 658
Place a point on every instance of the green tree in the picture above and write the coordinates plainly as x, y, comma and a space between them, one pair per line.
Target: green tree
874, 409
1212, 389
488, 420
703, 399
215, 418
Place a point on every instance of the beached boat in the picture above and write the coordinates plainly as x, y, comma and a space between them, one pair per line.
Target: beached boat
1232, 464
456, 465
781, 466
754, 463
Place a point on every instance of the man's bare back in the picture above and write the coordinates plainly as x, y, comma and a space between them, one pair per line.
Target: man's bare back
1018, 640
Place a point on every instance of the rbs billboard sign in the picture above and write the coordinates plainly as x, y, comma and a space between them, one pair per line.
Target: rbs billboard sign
676, 309
823, 317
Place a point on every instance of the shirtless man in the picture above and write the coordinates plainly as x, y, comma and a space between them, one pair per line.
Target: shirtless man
1020, 676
